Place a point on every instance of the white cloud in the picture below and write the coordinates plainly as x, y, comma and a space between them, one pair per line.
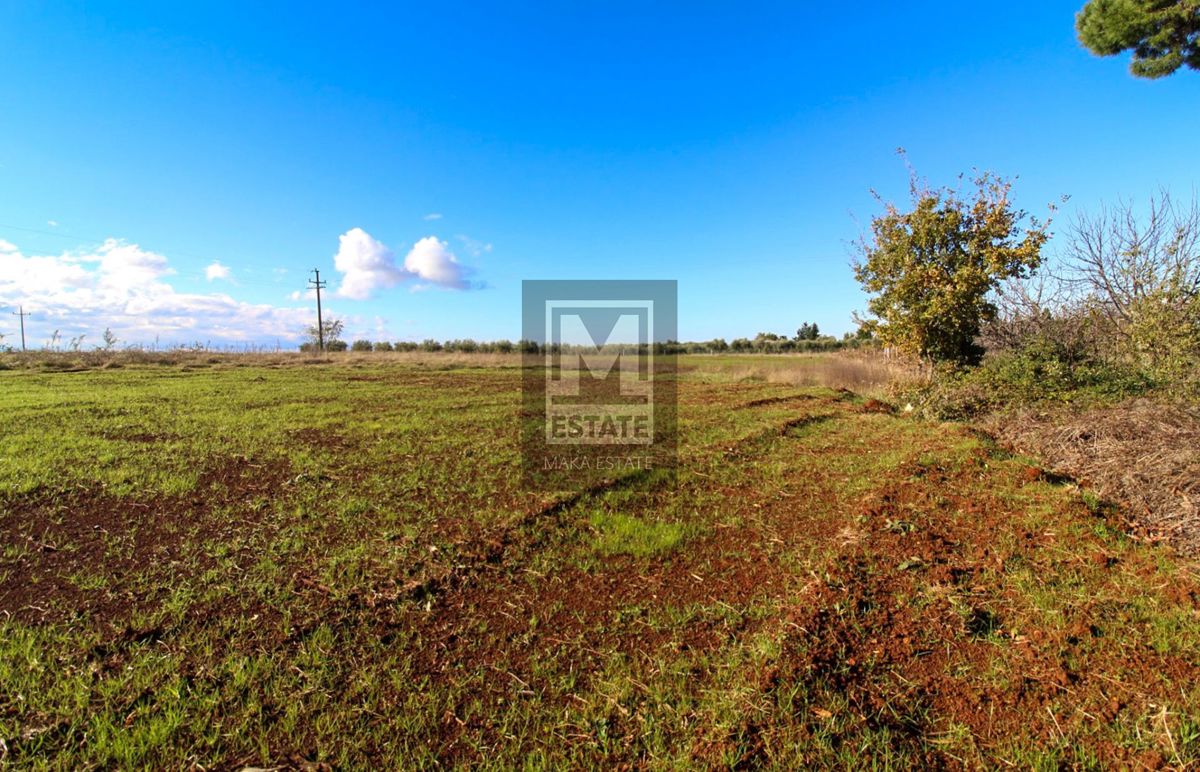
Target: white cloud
124, 287
127, 266
216, 271
52, 223
365, 264
368, 265
432, 260
433, 216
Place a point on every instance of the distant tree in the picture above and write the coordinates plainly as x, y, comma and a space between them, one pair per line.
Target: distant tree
808, 332
932, 268
382, 345
361, 345
429, 344
768, 341
333, 331
109, 338
504, 346
1163, 35
464, 345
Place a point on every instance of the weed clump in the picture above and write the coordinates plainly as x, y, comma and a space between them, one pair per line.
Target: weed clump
1030, 377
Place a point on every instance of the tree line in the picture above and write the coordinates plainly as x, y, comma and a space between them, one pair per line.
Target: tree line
808, 339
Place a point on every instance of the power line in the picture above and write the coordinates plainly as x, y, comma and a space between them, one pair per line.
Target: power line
21, 313
59, 235
318, 285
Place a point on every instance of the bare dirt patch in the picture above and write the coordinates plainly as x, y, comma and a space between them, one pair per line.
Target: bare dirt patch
325, 439
86, 552
764, 401
497, 629
917, 628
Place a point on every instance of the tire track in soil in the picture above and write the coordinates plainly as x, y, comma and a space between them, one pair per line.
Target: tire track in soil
738, 565
493, 547
896, 663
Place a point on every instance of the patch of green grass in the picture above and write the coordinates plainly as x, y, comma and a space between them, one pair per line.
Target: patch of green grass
618, 534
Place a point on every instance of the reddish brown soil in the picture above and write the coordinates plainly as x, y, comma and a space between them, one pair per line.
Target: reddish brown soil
857, 631
909, 617
325, 439
776, 400
875, 406
128, 542
856, 636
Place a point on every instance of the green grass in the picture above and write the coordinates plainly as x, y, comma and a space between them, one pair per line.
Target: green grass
273, 564
618, 534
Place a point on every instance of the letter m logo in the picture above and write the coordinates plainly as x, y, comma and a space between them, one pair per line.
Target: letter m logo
599, 364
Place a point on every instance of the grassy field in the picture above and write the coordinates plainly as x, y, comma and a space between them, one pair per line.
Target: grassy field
282, 564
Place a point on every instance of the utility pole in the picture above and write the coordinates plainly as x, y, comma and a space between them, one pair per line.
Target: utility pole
317, 284
21, 314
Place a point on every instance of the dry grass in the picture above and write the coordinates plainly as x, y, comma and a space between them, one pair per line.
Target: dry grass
1141, 454
867, 372
863, 371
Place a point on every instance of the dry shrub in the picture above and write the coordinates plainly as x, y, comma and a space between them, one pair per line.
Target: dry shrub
1141, 454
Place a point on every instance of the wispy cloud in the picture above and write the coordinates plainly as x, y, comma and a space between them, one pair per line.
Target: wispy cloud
474, 247
432, 216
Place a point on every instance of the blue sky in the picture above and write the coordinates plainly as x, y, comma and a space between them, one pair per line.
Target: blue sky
730, 146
